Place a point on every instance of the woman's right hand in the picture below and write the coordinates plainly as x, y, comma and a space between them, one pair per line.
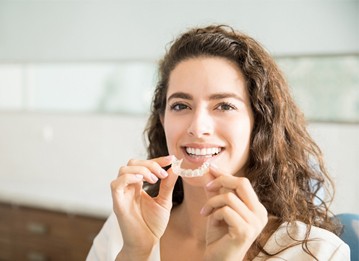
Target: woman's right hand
142, 219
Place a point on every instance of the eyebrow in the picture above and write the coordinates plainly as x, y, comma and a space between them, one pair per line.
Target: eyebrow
180, 95
215, 96
224, 95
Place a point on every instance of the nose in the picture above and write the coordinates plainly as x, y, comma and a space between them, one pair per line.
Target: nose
201, 124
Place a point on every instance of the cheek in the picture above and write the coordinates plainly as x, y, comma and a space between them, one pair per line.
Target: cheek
238, 128
172, 134
240, 137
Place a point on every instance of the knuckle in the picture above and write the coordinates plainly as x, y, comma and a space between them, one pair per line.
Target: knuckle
263, 211
131, 162
143, 170
252, 232
225, 210
265, 215
153, 164
113, 185
245, 182
229, 197
221, 180
122, 170
262, 217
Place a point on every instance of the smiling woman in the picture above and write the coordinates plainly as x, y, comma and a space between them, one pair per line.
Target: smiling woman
221, 101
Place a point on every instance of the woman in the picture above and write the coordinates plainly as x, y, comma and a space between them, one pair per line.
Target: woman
222, 101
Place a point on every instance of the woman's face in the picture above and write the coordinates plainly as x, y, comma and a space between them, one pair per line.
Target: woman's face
208, 116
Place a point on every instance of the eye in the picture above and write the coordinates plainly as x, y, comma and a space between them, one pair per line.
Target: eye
226, 106
178, 107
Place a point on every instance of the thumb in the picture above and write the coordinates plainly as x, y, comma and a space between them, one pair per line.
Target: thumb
166, 189
213, 173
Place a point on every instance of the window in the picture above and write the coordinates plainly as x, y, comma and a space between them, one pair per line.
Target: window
326, 88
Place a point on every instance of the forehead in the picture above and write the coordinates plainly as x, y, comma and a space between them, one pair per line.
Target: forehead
207, 75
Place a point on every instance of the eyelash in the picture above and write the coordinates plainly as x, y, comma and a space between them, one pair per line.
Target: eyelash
227, 104
174, 107
178, 104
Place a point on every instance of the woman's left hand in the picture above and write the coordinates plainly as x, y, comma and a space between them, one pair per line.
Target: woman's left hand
236, 217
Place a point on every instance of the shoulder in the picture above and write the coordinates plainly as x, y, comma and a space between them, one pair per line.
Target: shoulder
323, 244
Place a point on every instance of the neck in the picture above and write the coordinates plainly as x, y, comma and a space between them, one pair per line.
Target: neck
187, 215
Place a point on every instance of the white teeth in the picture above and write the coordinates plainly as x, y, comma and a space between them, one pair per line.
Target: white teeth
188, 173
203, 151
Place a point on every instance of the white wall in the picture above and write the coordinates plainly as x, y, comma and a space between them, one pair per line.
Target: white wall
65, 161
45, 30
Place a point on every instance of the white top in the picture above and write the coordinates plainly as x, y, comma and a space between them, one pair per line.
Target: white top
324, 244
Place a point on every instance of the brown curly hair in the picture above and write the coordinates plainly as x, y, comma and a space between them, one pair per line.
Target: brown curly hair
282, 153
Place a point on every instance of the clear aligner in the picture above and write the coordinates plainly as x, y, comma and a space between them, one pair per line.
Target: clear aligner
188, 173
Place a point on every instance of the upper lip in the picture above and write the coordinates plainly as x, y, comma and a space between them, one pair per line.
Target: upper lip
202, 146
203, 149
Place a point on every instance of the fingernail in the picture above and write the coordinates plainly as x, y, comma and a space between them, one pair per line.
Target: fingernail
203, 211
154, 178
163, 173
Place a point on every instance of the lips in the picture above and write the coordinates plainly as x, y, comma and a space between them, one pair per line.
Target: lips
196, 154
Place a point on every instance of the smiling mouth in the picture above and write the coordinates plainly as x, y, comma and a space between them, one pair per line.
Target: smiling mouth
200, 155
203, 152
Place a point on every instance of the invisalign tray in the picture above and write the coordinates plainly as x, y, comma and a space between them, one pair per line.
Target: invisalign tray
188, 173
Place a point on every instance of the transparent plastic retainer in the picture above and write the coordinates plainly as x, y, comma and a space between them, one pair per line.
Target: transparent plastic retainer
188, 173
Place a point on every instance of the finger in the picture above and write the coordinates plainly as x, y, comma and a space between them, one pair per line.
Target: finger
126, 180
164, 161
228, 215
216, 172
230, 200
154, 165
120, 185
166, 188
232, 219
240, 185
139, 170
236, 225
123, 187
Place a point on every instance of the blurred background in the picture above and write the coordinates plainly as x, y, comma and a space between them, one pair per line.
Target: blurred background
76, 79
